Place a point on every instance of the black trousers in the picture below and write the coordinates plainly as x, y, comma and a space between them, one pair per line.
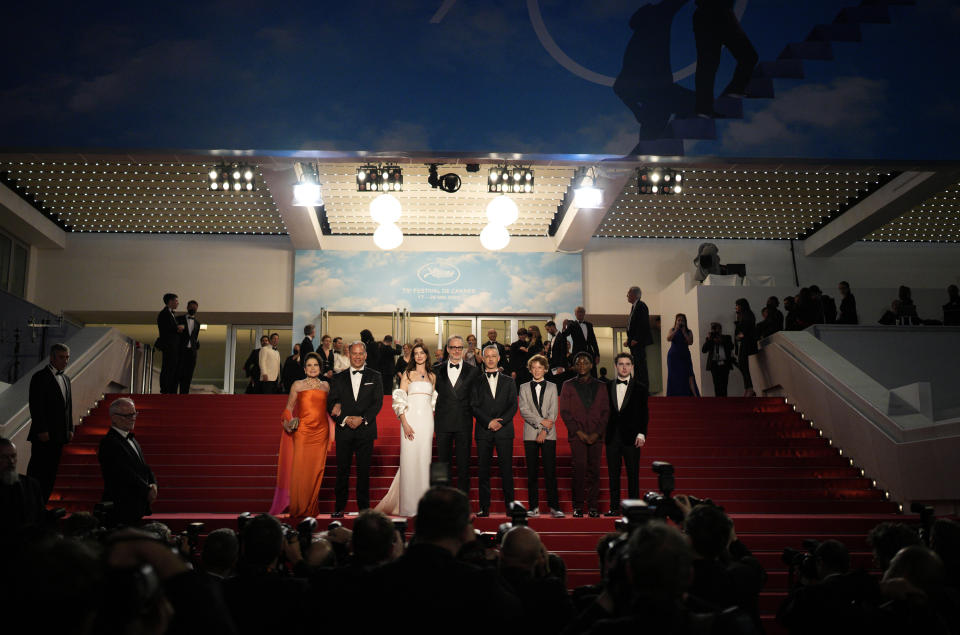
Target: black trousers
713, 30
169, 367
43, 465
534, 451
188, 361
721, 376
639, 353
504, 445
349, 445
629, 455
445, 443
269, 387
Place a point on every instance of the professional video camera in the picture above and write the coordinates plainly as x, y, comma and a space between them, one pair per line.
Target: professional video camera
192, 536
800, 562
926, 520
662, 504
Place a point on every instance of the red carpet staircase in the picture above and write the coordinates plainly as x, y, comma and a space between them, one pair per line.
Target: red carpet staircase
215, 456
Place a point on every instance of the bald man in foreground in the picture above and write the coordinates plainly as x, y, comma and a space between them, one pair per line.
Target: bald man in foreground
524, 566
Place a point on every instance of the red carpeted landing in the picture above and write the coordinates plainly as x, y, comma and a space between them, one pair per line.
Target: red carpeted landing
215, 456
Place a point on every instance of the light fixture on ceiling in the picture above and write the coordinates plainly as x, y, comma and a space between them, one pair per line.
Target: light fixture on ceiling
586, 195
494, 237
232, 177
385, 209
306, 191
449, 182
514, 180
501, 210
388, 236
379, 178
659, 181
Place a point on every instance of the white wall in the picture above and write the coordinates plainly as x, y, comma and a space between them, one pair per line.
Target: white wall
131, 273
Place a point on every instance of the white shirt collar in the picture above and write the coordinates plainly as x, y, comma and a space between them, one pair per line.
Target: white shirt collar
123, 433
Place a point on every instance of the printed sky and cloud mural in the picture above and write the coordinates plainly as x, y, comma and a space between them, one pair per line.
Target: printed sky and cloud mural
530, 76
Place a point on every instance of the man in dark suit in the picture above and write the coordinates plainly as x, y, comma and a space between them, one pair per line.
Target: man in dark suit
51, 415
626, 430
189, 345
128, 482
559, 356
388, 362
494, 405
638, 334
251, 367
453, 416
168, 341
585, 408
584, 339
359, 394
306, 346
21, 501
501, 349
719, 351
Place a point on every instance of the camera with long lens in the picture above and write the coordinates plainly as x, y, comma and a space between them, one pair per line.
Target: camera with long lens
662, 504
801, 562
192, 535
926, 520
518, 517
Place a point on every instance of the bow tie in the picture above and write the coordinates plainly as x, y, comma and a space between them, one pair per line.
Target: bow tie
457, 366
493, 374
131, 435
625, 382
357, 372
59, 372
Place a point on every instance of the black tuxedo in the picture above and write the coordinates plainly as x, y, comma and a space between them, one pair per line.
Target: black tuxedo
50, 412
21, 505
453, 418
188, 354
306, 346
326, 360
638, 330
251, 368
581, 343
126, 478
486, 408
357, 441
625, 423
719, 368
168, 341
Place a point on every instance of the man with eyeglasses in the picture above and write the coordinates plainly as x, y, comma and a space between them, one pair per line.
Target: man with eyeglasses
453, 416
128, 481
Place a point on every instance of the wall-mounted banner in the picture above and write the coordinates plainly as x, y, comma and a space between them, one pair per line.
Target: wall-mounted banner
435, 282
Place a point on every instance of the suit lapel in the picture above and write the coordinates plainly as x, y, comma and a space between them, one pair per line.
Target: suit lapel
626, 395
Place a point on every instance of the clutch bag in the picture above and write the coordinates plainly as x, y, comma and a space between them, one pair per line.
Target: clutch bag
294, 423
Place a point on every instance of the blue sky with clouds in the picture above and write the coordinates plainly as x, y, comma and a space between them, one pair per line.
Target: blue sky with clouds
462, 75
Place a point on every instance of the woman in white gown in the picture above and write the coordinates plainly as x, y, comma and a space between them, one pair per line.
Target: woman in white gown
413, 402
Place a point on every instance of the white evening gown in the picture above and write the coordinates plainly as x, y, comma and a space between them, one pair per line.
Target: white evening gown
413, 477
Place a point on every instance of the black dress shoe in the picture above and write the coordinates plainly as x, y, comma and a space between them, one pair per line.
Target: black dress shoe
336, 515
578, 513
483, 513
611, 513
594, 513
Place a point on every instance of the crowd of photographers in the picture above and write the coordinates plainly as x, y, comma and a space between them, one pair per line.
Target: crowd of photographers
692, 575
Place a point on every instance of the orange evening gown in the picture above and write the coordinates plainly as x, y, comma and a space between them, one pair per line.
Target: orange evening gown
303, 457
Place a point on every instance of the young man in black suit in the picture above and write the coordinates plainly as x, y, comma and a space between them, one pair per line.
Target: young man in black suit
453, 415
638, 334
168, 341
355, 399
719, 351
128, 482
306, 346
584, 339
251, 367
559, 356
626, 430
494, 405
189, 345
51, 415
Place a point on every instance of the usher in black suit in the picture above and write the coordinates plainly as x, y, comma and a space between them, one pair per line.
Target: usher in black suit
126, 477
189, 344
638, 330
357, 441
626, 422
168, 341
453, 418
486, 408
50, 412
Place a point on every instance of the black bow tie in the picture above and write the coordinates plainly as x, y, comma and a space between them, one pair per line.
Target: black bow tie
59, 372
623, 381
455, 366
493, 374
357, 372
537, 384
131, 435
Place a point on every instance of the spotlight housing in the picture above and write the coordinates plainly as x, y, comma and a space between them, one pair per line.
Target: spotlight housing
379, 178
234, 177
448, 183
659, 181
504, 179
306, 192
586, 195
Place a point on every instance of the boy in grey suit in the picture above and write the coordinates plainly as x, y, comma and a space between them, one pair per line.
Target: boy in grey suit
538, 407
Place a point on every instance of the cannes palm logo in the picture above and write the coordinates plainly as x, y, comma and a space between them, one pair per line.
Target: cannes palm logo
437, 274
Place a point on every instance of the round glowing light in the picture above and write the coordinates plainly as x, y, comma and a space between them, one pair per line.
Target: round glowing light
385, 209
249, 187
214, 186
516, 176
494, 237
502, 211
236, 174
388, 236
655, 177
213, 175
248, 175
677, 189
362, 175
306, 194
236, 186
679, 177
493, 177
226, 185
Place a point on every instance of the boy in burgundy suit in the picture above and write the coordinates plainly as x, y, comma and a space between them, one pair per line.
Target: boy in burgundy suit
585, 409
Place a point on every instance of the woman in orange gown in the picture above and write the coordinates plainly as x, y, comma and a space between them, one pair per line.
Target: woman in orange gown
303, 451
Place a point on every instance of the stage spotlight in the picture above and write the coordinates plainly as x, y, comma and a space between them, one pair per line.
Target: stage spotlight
232, 176
306, 192
513, 180
587, 195
449, 182
659, 181
379, 178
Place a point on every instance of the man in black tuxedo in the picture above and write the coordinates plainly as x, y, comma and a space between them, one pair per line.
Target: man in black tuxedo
453, 416
719, 351
21, 501
584, 339
501, 349
626, 429
51, 415
251, 367
494, 405
306, 346
638, 334
359, 395
559, 356
168, 342
388, 362
128, 482
189, 345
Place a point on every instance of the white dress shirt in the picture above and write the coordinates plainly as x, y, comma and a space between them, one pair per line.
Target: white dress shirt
492, 382
454, 373
356, 378
126, 435
61, 380
621, 393
190, 322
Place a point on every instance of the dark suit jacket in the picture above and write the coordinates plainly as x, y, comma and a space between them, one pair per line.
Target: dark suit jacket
638, 325
708, 349
185, 336
49, 412
168, 338
367, 404
252, 366
454, 412
21, 505
632, 418
558, 352
126, 477
588, 344
306, 346
487, 407
577, 417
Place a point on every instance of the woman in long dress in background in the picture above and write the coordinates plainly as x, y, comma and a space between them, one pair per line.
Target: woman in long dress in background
681, 382
303, 448
413, 402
